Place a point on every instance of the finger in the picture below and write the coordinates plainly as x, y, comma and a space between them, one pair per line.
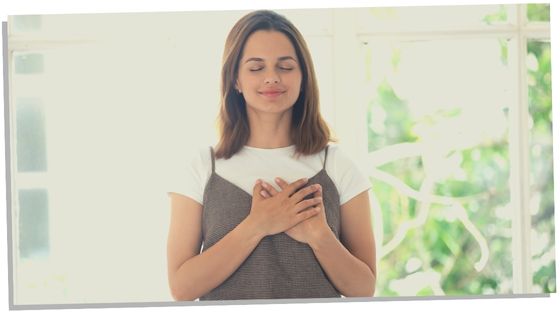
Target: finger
265, 194
304, 215
318, 193
269, 189
282, 183
304, 192
308, 203
257, 189
293, 187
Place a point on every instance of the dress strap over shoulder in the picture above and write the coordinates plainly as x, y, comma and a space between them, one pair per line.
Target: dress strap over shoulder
325, 160
213, 158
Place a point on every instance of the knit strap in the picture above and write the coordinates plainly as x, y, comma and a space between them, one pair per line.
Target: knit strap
325, 161
212, 154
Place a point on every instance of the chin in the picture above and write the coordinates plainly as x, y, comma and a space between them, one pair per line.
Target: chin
271, 108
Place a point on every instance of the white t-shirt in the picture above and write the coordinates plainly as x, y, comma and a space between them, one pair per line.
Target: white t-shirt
249, 164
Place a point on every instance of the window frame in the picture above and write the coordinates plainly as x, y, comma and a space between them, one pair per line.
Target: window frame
345, 43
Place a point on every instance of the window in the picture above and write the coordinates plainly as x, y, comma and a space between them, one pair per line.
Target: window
451, 95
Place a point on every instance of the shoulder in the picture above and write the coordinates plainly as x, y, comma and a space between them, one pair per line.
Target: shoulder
337, 157
200, 153
195, 169
347, 176
340, 161
200, 160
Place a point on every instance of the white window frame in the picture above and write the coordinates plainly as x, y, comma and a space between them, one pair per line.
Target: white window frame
355, 141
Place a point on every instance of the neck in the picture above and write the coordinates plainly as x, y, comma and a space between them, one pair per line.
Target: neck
270, 131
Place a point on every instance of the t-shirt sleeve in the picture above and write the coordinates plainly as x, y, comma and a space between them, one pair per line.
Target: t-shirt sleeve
349, 179
190, 179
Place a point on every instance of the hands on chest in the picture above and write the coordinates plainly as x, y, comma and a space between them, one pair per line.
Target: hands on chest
295, 209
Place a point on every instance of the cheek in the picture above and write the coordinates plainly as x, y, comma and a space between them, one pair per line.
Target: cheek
300, 80
244, 79
294, 80
298, 84
249, 81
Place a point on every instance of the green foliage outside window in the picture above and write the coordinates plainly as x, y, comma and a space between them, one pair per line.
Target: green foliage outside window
442, 254
542, 187
538, 12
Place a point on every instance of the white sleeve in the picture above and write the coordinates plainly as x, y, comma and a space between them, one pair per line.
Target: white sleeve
191, 179
348, 178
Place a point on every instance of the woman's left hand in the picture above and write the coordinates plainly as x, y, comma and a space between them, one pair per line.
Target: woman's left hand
309, 230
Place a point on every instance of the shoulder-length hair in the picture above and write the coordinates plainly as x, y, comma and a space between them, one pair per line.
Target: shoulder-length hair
309, 132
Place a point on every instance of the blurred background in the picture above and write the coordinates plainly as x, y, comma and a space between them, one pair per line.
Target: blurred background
447, 109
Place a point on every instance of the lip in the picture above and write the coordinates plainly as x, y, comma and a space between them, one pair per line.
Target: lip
271, 93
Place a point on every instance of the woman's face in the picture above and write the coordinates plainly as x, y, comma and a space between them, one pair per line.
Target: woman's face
269, 74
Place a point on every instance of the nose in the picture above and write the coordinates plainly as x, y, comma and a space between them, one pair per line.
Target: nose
271, 78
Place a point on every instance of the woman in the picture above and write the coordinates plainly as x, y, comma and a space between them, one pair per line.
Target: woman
278, 214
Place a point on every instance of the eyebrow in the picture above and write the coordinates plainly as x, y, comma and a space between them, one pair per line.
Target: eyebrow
279, 59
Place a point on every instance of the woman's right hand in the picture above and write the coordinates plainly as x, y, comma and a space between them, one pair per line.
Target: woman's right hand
284, 210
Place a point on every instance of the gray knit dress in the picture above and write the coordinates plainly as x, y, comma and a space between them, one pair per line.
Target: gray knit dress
279, 267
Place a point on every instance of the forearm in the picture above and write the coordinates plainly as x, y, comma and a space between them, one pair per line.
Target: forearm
204, 272
351, 276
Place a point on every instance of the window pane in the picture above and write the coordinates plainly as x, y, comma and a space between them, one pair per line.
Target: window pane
433, 18
438, 112
30, 129
33, 223
26, 23
540, 146
538, 12
28, 63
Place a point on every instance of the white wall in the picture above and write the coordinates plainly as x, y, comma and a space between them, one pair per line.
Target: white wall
127, 97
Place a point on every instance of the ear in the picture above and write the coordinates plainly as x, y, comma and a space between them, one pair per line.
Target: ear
237, 86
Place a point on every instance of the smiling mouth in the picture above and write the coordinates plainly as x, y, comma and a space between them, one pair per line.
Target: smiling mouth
272, 93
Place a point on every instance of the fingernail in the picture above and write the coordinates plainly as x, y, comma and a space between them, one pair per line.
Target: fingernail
277, 180
258, 181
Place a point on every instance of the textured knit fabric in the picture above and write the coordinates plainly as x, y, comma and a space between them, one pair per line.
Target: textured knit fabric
279, 267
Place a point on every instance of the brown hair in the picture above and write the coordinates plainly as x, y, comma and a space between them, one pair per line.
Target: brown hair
309, 132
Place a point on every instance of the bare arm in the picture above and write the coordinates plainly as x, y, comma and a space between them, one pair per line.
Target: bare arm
350, 262
192, 274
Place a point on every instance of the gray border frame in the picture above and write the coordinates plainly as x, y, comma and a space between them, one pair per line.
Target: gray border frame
8, 162
12, 306
269, 302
